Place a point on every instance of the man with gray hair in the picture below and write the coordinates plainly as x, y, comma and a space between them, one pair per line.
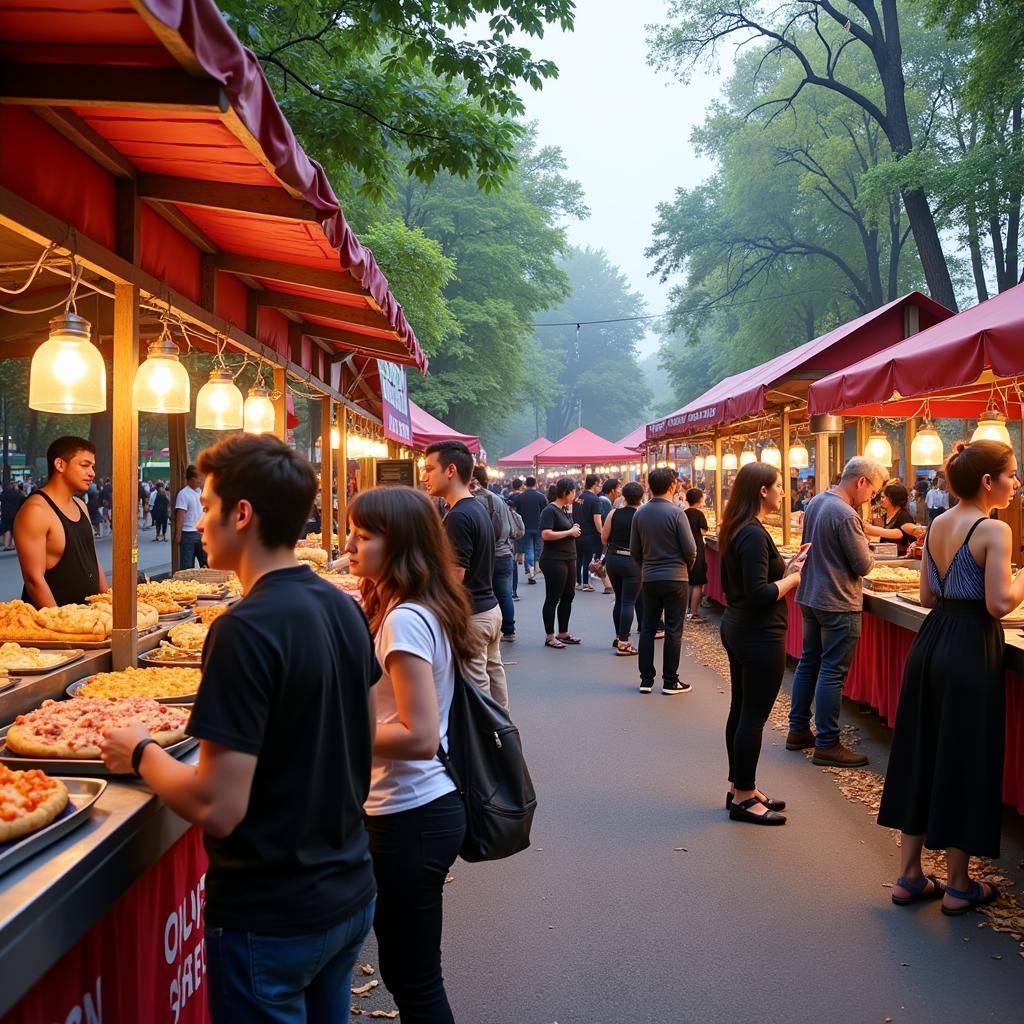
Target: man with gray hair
831, 602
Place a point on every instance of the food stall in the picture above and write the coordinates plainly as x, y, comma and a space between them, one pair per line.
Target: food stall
145, 167
583, 451
970, 366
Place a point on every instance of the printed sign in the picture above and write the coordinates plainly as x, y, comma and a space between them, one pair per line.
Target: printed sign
395, 471
690, 419
394, 391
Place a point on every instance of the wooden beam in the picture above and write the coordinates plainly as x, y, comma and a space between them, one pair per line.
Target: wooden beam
787, 483
822, 469
909, 433
328, 310
184, 226
126, 221
295, 341
326, 479
87, 139
341, 475
124, 638
280, 404
207, 281
718, 477
258, 200
289, 273
71, 85
384, 348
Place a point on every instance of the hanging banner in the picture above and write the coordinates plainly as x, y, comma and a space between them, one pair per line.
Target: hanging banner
394, 390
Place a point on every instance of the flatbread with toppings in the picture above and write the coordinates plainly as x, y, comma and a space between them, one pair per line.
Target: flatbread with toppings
29, 801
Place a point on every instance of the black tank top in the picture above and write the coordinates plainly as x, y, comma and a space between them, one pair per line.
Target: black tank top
75, 576
622, 522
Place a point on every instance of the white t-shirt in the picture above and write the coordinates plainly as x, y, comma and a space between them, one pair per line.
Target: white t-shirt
402, 785
188, 499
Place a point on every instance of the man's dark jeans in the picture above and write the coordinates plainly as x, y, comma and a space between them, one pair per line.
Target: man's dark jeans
668, 598
281, 979
501, 581
190, 549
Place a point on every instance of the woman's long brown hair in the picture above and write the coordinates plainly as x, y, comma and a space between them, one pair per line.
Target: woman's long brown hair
419, 564
744, 500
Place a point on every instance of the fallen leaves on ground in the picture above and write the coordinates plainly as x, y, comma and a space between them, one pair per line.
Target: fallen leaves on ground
364, 990
367, 969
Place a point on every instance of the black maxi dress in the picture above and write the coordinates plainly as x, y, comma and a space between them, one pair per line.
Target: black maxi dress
945, 772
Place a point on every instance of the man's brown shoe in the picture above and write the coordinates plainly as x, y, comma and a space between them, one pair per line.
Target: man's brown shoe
800, 740
837, 756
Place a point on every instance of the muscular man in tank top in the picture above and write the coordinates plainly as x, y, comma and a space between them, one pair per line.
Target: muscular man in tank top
54, 537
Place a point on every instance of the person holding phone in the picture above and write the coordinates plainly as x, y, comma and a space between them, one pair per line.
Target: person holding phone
756, 581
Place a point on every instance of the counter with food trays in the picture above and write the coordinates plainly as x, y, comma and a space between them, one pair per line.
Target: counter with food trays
892, 615
93, 866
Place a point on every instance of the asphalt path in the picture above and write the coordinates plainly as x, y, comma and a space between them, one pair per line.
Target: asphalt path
640, 900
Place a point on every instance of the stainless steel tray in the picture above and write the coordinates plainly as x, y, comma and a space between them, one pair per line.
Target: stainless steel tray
188, 698
149, 661
82, 793
59, 645
72, 655
185, 613
70, 766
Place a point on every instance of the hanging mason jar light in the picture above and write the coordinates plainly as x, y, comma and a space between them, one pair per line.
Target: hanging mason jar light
258, 411
335, 439
748, 455
926, 448
67, 374
991, 426
878, 446
711, 462
161, 383
770, 454
799, 457
730, 460
699, 462
219, 403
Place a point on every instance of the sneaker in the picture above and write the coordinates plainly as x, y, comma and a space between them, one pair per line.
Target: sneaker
646, 686
677, 687
659, 635
607, 590
799, 740
530, 579
515, 597
838, 756
508, 638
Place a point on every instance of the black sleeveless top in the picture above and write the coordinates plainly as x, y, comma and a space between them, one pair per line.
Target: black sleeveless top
75, 576
622, 523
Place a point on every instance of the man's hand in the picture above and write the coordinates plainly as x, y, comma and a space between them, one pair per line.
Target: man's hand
117, 746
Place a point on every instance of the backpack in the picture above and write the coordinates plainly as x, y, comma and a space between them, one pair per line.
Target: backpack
518, 530
485, 761
512, 520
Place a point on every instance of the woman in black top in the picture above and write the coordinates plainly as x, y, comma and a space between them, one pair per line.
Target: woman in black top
899, 523
558, 563
699, 571
756, 581
623, 570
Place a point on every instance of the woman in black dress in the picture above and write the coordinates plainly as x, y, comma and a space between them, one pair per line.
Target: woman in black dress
756, 581
699, 572
944, 784
558, 563
623, 570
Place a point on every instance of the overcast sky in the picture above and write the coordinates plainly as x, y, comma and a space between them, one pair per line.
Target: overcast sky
624, 129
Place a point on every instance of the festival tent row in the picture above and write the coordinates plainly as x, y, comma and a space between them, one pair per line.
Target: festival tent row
427, 429
524, 456
143, 157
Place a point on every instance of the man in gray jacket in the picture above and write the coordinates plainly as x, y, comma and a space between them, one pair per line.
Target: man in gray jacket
661, 542
831, 602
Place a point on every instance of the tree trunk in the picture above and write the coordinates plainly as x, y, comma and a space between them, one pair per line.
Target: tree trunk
1013, 218
929, 247
977, 262
995, 231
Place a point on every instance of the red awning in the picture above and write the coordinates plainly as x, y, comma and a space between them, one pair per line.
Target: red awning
427, 429
746, 394
635, 439
950, 355
524, 456
161, 92
583, 447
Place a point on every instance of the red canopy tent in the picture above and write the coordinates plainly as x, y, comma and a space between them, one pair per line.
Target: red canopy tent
524, 456
750, 392
635, 439
956, 364
427, 429
582, 447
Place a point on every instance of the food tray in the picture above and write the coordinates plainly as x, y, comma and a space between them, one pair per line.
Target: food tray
70, 766
149, 661
186, 698
215, 576
58, 645
82, 793
185, 613
910, 596
886, 586
1015, 618
72, 655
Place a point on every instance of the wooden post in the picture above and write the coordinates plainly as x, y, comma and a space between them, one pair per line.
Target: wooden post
822, 469
718, 478
326, 478
909, 433
787, 484
124, 639
177, 444
280, 404
341, 465
863, 430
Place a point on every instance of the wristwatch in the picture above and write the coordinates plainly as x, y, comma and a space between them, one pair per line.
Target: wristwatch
137, 754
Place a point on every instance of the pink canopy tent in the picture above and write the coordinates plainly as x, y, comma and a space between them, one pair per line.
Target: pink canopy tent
583, 447
524, 456
972, 348
427, 429
635, 439
783, 378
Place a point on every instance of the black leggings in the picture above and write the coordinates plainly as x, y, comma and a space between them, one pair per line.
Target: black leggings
757, 661
624, 575
559, 590
412, 852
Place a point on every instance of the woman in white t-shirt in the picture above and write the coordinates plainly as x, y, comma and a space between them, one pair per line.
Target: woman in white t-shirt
421, 618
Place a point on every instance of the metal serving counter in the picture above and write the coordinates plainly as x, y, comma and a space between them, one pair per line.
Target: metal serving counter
48, 902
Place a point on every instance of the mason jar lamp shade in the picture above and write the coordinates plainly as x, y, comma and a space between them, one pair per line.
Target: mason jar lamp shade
711, 463
67, 374
698, 463
991, 426
219, 402
799, 457
729, 460
748, 455
771, 456
878, 447
258, 412
926, 448
161, 382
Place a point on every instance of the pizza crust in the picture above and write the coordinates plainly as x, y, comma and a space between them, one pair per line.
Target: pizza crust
44, 814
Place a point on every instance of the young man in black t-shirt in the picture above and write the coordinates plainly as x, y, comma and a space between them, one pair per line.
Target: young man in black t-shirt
285, 718
446, 471
586, 513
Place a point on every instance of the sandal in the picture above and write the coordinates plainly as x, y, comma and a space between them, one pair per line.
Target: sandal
919, 890
772, 805
975, 896
557, 644
625, 650
568, 638
588, 588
